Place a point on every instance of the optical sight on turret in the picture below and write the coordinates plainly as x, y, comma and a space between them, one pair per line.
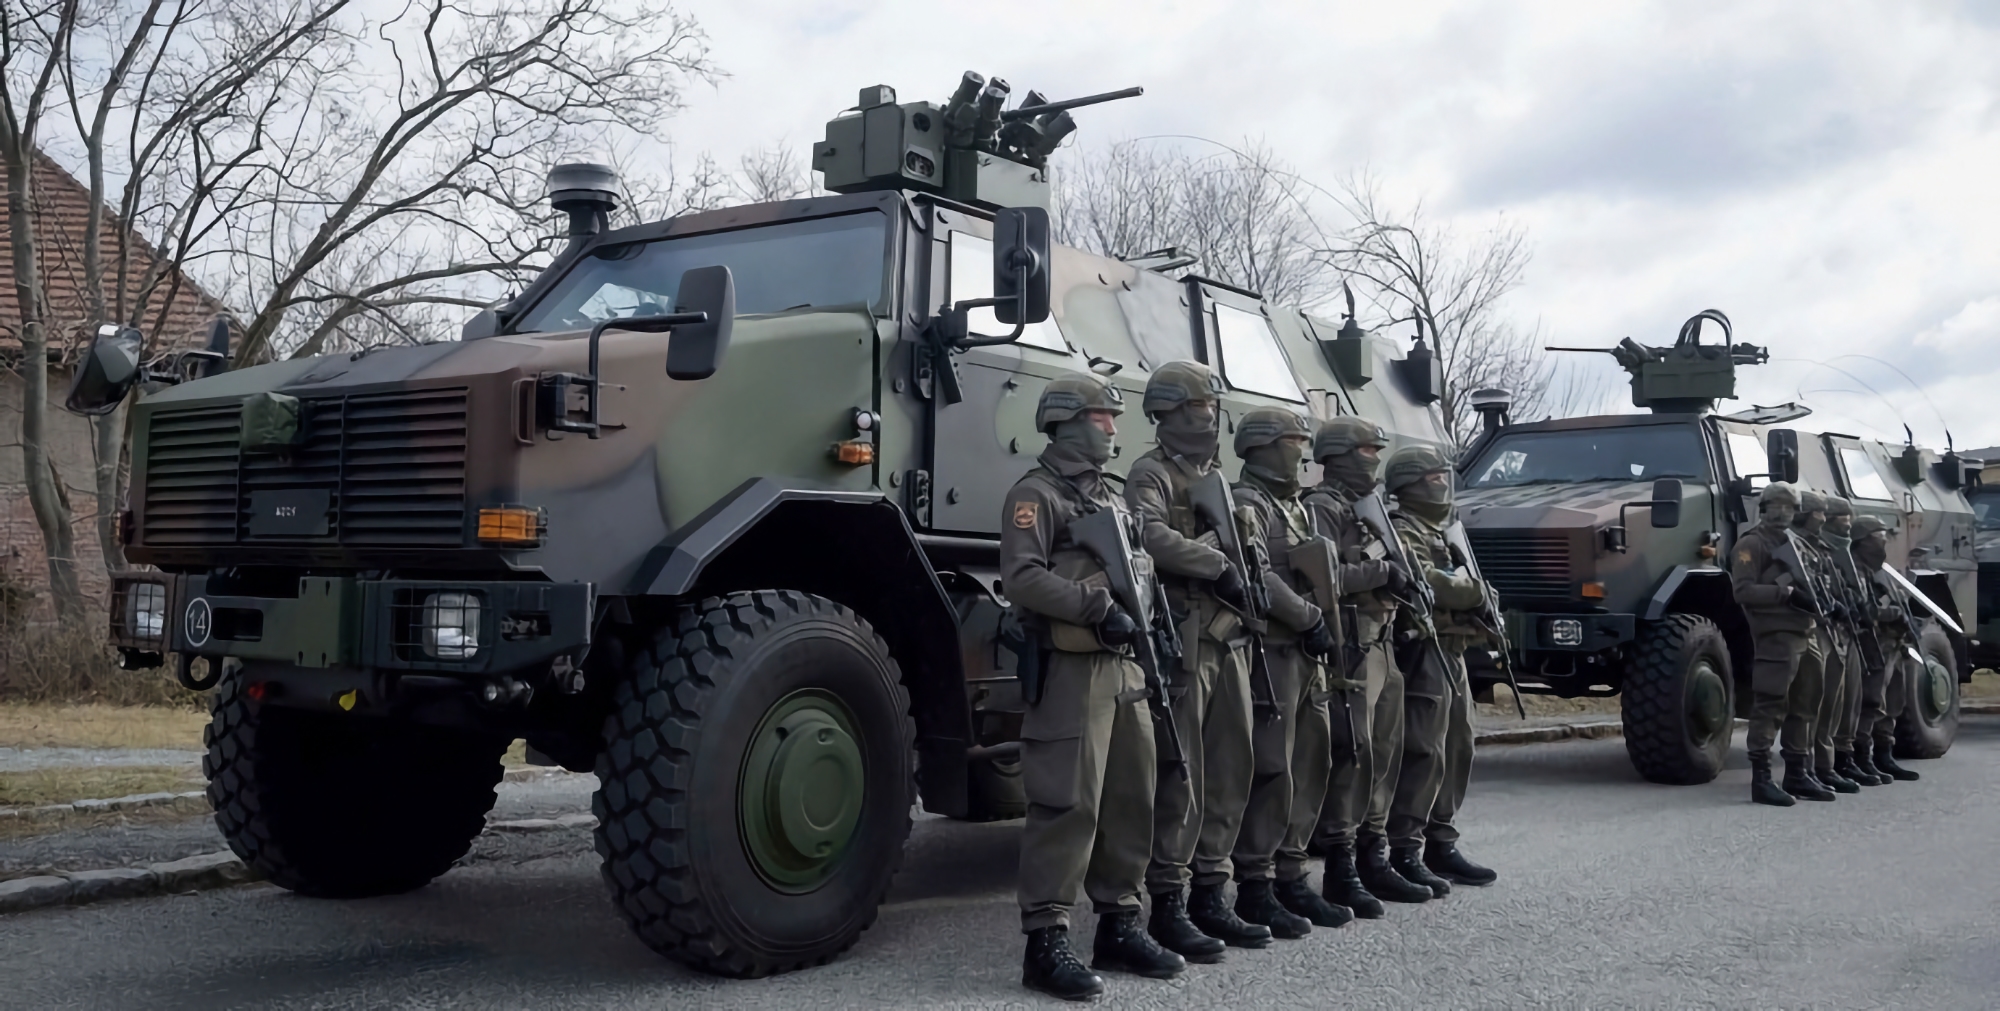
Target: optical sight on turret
1687, 377
973, 149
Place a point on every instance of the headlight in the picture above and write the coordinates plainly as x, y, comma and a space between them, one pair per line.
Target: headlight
145, 610
1565, 632
450, 623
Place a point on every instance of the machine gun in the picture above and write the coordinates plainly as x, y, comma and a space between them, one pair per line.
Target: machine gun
1372, 510
1314, 560
1489, 615
1214, 508
1102, 533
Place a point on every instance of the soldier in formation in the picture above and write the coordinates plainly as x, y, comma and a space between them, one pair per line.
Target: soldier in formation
1773, 587
1087, 750
1437, 748
1885, 691
1837, 648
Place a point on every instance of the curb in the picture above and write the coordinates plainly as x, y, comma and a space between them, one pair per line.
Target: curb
1560, 732
98, 806
544, 824
1979, 708
197, 873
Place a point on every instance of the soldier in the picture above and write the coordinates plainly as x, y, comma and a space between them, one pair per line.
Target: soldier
1437, 729
1195, 821
1087, 751
1785, 675
1366, 714
1291, 752
1825, 531
1883, 695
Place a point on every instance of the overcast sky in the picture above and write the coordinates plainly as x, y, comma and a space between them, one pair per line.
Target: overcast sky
1824, 172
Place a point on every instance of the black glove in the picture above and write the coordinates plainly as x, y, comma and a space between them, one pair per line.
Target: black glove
1317, 640
1399, 578
1117, 628
1802, 600
1229, 589
1836, 611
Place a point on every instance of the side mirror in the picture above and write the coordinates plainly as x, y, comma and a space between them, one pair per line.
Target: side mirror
1021, 265
108, 371
1782, 446
1667, 494
696, 349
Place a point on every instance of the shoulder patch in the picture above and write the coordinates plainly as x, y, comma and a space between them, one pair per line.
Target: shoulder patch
1026, 513
1743, 556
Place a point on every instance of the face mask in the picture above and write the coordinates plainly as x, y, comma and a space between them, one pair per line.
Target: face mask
1810, 522
1871, 551
1278, 464
1190, 430
1080, 438
1778, 515
1426, 498
1353, 472
1839, 526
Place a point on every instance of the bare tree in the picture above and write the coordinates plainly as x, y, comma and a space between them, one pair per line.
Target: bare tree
1240, 212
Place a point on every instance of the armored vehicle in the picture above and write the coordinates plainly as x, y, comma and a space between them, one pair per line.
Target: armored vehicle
1600, 603
711, 509
1985, 499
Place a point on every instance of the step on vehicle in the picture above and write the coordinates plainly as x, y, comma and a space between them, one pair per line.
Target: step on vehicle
1601, 602
710, 509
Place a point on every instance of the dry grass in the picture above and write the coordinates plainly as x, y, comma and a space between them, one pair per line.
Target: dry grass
161, 814
43, 725
1985, 685
1588, 709
66, 783
73, 664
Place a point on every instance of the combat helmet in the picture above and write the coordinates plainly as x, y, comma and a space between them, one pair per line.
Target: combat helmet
1837, 506
1265, 425
1074, 394
1343, 435
1778, 493
1865, 525
1411, 463
1811, 501
1176, 383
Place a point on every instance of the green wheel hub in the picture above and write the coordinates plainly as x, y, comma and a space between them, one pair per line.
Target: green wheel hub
1707, 703
802, 790
1937, 688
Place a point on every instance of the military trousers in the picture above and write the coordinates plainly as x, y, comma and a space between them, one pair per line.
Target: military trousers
1367, 744
1437, 748
1195, 821
1899, 682
1837, 686
1292, 761
1784, 692
1088, 766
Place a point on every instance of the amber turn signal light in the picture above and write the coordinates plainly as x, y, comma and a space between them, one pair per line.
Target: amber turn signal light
854, 452
1706, 551
512, 526
1594, 591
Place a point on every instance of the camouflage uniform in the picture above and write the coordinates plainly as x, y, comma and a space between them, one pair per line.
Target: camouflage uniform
1840, 685
1785, 675
1291, 754
1195, 820
1885, 692
1366, 711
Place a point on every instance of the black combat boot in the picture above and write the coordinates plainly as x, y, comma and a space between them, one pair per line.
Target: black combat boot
1885, 763
1382, 880
1298, 896
1211, 914
1171, 927
1447, 862
1409, 862
1849, 769
1762, 790
1122, 947
1831, 778
1342, 885
1256, 904
1799, 782
1049, 966
1863, 750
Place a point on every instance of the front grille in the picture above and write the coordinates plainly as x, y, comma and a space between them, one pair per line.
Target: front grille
392, 466
1524, 566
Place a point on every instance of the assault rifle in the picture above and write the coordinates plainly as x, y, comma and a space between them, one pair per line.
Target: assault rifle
1215, 509
1314, 560
1102, 533
1489, 617
1860, 623
1372, 510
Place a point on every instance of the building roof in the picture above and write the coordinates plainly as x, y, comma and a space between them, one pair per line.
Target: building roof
62, 206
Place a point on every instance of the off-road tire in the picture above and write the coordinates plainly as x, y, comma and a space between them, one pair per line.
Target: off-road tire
1663, 736
1925, 729
686, 715
344, 806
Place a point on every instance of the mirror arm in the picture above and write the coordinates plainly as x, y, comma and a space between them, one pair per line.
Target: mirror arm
559, 419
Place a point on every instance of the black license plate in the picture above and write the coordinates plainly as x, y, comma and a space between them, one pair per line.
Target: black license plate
292, 512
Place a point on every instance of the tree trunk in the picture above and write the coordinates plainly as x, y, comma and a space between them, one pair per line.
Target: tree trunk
51, 511
110, 433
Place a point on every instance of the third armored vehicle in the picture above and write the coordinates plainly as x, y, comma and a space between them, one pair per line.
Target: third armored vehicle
1604, 537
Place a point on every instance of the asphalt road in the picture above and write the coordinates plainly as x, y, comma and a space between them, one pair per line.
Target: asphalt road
1612, 893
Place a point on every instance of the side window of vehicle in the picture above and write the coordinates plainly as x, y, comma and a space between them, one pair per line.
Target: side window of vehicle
1748, 457
1251, 359
972, 277
1863, 479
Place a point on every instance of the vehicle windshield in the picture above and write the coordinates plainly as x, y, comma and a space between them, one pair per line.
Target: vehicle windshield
1986, 509
794, 265
1639, 453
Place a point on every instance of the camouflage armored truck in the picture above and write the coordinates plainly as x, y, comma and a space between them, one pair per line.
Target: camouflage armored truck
710, 509
1985, 499
1603, 537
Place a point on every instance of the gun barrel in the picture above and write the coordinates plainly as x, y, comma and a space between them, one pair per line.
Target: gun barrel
1601, 351
1030, 111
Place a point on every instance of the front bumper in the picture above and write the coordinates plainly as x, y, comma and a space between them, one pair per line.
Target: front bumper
494, 627
1570, 633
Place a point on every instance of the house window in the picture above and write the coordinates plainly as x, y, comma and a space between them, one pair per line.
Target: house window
1251, 359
